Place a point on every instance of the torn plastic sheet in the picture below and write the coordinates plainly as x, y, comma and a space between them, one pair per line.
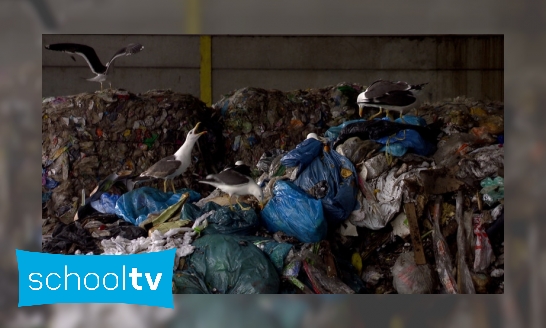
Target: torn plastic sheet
483, 251
106, 203
482, 163
135, 205
357, 150
380, 199
333, 132
374, 167
410, 278
158, 241
404, 141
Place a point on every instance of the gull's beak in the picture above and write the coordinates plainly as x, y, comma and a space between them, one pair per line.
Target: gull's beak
261, 205
196, 127
360, 110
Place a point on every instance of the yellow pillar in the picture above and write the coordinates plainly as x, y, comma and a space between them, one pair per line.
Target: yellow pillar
205, 71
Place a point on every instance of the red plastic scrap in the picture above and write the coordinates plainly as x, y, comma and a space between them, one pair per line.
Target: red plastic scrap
314, 284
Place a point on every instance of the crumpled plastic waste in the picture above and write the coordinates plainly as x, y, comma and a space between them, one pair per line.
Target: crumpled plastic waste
85, 235
157, 241
338, 172
304, 153
294, 212
464, 278
267, 158
250, 270
404, 141
483, 252
453, 148
410, 278
106, 203
380, 199
223, 220
46, 196
481, 163
492, 190
315, 274
441, 253
358, 150
49, 183
135, 205
333, 132
377, 129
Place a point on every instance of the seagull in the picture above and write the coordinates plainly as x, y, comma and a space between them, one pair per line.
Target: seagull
172, 166
398, 96
236, 180
92, 59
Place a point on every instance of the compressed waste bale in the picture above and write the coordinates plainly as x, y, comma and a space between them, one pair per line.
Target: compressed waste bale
88, 136
258, 120
224, 264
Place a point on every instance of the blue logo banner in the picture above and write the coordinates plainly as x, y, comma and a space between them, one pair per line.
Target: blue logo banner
144, 279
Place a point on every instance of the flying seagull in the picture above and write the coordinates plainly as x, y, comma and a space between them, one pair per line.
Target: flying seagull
172, 166
236, 180
398, 96
92, 59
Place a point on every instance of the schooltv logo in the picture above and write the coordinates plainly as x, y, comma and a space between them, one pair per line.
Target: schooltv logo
144, 279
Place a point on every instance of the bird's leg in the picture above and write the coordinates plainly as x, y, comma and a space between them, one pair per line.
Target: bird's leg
389, 115
231, 204
374, 116
242, 208
110, 83
100, 86
165, 186
402, 118
172, 185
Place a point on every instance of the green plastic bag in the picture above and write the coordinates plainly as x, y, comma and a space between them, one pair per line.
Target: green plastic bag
224, 264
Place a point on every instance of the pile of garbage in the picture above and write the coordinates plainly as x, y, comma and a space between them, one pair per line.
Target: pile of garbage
258, 120
413, 205
89, 136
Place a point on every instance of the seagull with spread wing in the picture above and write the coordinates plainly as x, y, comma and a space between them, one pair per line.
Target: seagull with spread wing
93, 60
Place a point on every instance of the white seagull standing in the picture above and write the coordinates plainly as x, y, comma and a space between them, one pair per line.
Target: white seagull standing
398, 96
92, 59
172, 166
236, 180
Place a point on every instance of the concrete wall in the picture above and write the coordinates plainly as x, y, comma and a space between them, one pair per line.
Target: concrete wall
453, 65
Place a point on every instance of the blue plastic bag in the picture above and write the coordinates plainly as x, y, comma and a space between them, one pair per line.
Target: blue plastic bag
333, 132
410, 119
303, 154
106, 203
406, 140
294, 212
135, 205
340, 176
224, 220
